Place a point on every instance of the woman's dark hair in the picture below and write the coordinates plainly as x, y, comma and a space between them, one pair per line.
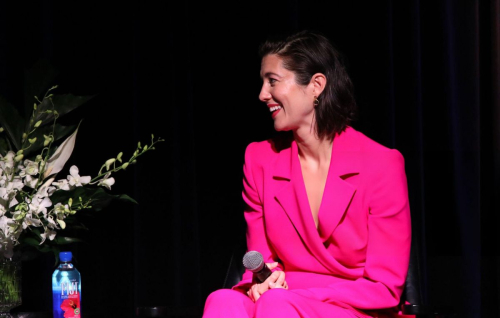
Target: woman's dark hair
306, 53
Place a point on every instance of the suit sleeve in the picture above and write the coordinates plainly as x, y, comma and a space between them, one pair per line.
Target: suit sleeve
389, 240
256, 233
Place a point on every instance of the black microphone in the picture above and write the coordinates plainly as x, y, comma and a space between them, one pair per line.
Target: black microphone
254, 262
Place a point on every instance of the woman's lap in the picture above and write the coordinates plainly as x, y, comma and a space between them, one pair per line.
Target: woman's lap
274, 303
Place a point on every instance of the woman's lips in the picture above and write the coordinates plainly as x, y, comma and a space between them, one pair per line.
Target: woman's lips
274, 109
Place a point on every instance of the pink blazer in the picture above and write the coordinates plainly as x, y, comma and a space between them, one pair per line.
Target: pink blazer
358, 257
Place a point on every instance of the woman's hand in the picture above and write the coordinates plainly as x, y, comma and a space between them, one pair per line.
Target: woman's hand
275, 280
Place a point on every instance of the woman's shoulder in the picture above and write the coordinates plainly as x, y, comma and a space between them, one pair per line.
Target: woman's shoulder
370, 149
364, 142
269, 147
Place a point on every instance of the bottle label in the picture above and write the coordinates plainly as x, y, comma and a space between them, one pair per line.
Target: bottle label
69, 299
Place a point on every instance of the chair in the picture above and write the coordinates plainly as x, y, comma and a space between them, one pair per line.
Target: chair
411, 304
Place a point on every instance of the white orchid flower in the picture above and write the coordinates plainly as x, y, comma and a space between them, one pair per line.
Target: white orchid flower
75, 179
51, 223
29, 220
48, 233
45, 190
62, 184
31, 167
60, 209
31, 182
39, 205
4, 225
107, 182
8, 160
8, 196
16, 184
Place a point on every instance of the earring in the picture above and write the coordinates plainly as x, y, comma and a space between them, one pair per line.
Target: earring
316, 101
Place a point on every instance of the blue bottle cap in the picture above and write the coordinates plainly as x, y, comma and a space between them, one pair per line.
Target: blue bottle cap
65, 256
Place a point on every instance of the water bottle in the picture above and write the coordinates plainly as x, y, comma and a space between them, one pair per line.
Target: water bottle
66, 288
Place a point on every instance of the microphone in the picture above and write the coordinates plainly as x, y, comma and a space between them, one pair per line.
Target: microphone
254, 262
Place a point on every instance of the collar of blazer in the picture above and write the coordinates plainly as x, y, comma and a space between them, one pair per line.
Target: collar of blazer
338, 193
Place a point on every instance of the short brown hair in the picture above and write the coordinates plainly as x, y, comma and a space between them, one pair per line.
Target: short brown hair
306, 53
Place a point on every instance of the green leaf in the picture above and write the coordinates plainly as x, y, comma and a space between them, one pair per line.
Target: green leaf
63, 104
98, 196
61, 240
60, 131
37, 80
5, 145
31, 241
12, 122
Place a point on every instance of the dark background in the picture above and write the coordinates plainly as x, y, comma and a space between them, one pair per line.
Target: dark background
426, 76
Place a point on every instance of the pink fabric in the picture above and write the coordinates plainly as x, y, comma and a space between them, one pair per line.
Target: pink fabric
358, 258
275, 303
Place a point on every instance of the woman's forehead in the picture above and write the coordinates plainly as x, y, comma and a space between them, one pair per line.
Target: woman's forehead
271, 64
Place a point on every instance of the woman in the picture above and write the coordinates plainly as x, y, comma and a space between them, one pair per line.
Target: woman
328, 208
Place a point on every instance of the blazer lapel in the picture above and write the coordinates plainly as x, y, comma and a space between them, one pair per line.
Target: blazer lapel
337, 197
291, 194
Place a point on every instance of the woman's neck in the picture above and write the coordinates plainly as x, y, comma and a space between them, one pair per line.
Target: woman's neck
313, 150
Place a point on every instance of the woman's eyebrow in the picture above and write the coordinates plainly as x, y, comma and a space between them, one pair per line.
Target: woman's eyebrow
268, 74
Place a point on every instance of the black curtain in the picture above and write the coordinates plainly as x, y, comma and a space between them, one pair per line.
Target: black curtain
426, 75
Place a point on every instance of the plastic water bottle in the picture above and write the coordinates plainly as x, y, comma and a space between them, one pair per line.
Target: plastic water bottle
66, 288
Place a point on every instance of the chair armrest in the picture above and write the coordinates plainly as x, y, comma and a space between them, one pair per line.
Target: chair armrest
421, 311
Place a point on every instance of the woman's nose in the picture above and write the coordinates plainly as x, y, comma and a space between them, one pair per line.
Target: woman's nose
264, 94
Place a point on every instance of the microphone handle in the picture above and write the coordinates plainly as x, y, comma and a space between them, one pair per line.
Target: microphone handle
263, 274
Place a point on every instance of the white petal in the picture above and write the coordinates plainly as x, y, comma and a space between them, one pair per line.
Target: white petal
85, 180
62, 154
74, 171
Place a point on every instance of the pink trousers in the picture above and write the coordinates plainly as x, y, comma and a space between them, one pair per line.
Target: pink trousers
275, 303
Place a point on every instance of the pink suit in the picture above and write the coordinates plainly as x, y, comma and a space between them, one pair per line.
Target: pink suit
355, 263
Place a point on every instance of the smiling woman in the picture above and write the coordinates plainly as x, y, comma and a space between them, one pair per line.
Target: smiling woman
320, 207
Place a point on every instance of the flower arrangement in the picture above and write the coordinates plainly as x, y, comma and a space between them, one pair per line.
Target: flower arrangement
37, 208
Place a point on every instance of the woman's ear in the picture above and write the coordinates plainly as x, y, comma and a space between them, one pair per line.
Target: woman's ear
318, 81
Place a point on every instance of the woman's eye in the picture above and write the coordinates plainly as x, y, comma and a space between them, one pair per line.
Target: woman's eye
272, 81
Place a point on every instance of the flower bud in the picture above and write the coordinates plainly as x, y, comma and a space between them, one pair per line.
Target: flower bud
19, 216
32, 140
125, 165
18, 158
38, 123
1, 129
47, 140
70, 201
61, 223
109, 162
119, 157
